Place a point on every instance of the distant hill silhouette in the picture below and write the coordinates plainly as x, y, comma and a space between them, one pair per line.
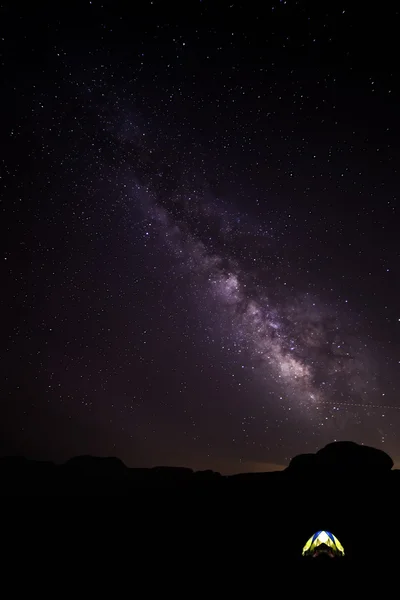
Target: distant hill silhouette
109, 475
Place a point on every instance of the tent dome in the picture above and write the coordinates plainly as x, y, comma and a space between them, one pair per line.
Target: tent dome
321, 541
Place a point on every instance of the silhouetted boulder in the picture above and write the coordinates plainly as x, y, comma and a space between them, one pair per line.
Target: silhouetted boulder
341, 457
351, 456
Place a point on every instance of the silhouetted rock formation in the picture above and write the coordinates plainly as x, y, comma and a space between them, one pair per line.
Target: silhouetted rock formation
109, 475
342, 457
352, 456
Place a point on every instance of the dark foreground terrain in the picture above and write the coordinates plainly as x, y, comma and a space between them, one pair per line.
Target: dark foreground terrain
203, 522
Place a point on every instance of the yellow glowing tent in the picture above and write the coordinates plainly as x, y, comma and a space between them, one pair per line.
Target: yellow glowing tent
323, 538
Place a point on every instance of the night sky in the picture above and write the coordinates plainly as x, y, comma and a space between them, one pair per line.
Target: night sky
200, 250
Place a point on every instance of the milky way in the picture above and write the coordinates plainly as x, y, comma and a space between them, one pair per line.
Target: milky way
291, 339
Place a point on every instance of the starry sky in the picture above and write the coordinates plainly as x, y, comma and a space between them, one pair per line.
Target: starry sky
199, 230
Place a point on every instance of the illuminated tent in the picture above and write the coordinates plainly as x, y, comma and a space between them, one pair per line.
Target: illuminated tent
323, 541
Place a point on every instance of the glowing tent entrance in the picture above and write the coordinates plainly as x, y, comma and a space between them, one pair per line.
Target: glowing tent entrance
323, 542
